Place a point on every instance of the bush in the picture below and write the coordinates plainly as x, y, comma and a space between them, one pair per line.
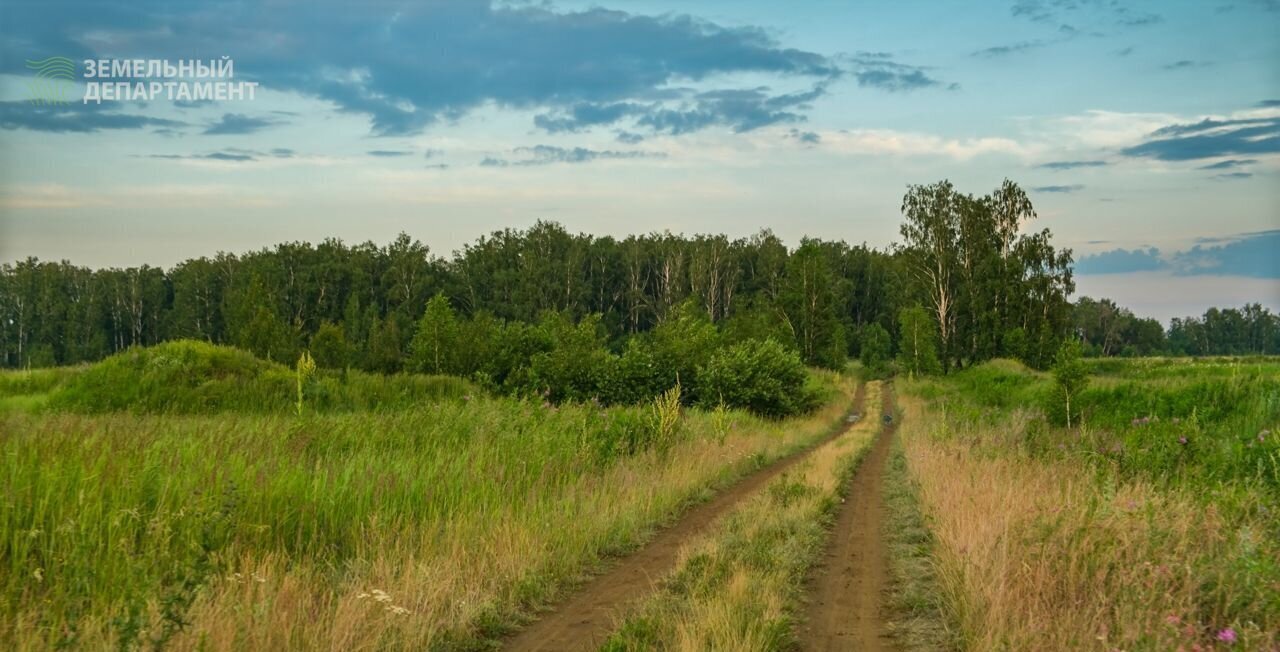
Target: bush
572, 369
681, 345
759, 375
633, 377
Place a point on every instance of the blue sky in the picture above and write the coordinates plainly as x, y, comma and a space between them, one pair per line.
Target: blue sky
1148, 134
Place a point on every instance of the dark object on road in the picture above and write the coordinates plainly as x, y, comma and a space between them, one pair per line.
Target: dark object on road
888, 418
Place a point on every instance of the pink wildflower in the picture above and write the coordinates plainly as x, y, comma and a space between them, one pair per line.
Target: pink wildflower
1227, 636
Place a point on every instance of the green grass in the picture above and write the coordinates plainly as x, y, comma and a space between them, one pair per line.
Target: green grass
1197, 433
1175, 420
191, 377
134, 485
919, 618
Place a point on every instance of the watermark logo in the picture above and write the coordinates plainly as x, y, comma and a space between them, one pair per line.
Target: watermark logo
54, 81
138, 80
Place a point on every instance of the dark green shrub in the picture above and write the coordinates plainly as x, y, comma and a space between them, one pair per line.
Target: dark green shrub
761, 376
572, 369
633, 377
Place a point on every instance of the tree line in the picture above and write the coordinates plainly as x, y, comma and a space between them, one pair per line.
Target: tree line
968, 282
1106, 329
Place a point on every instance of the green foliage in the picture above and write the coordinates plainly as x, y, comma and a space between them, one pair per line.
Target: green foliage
813, 297
874, 347
763, 377
995, 278
125, 517
634, 376
436, 342
385, 346
982, 272
917, 349
1070, 378
197, 377
329, 347
758, 321
1176, 420
666, 422
572, 368
682, 344
1014, 343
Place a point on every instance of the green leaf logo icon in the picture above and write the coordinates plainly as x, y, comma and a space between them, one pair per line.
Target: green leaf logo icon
54, 82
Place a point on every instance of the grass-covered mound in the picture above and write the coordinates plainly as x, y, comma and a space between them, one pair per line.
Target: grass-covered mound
188, 376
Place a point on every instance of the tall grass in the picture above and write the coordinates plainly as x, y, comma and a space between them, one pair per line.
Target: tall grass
1047, 552
432, 527
1173, 422
190, 377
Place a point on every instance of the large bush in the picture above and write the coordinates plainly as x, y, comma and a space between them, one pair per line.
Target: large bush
759, 375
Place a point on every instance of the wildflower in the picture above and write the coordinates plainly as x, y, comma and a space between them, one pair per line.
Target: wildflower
1227, 636
1182, 440
1172, 619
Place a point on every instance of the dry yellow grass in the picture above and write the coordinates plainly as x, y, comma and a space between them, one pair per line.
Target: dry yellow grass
736, 588
417, 585
1034, 555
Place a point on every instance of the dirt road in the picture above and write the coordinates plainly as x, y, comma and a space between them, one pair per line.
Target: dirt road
847, 588
584, 620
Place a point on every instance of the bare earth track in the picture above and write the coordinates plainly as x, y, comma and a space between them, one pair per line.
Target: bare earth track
847, 587
584, 620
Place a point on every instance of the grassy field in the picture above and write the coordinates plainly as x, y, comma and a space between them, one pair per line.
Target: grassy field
432, 522
1152, 527
183, 497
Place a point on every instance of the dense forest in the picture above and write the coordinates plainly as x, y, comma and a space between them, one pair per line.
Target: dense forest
967, 274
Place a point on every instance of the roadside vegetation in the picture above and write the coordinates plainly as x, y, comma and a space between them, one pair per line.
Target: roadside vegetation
919, 615
739, 587
433, 526
1150, 524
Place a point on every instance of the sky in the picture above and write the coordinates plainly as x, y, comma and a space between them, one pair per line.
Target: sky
1147, 134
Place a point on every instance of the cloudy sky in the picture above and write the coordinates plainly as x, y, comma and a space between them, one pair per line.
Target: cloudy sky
1147, 134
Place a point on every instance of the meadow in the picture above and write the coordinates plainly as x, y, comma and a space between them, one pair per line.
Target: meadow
1152, 525
393, 512
189, 496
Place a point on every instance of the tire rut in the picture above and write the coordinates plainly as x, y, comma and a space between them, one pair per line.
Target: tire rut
586, 618
847, 588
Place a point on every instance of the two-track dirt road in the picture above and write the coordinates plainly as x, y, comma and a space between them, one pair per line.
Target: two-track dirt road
587, 617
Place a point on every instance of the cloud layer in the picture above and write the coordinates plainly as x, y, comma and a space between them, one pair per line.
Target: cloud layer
1210, 138
1248, 254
